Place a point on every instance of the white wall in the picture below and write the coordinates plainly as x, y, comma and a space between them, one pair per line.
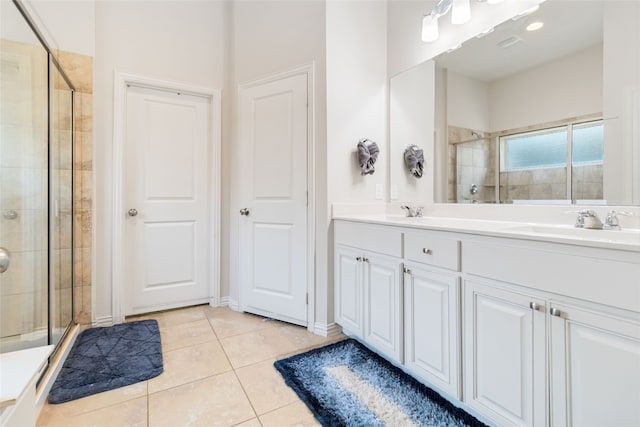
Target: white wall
411, 121
568, 87
67, 25
356, 33
622, 102
180, 41
467, 102
356, 96
269, 37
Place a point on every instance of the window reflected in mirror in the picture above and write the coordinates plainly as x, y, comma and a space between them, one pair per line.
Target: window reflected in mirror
532, 164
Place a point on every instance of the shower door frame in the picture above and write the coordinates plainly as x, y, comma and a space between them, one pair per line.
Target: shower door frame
52, 61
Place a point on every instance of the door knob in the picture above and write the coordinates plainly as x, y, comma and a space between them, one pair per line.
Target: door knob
245, 211
133, 212
5, 259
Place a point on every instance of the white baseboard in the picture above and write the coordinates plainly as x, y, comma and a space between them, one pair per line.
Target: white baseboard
233, 304
327, 330
224, 301
103, 321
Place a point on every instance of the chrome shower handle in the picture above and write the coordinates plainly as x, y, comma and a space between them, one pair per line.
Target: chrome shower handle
5, 259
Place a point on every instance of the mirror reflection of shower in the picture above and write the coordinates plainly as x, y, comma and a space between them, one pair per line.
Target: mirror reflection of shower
472, 176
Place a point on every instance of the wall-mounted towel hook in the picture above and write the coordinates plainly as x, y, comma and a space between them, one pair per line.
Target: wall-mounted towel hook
414, 159
367, 156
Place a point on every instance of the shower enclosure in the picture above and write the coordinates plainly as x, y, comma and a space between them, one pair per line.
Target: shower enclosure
36, 187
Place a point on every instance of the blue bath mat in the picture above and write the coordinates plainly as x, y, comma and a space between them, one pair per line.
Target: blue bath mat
345, 384
106, 358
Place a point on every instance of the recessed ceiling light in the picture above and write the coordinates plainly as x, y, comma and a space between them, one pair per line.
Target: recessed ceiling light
535, 26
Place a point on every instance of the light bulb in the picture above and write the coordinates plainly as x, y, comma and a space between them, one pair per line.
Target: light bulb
460, 12
429, 29
535, 26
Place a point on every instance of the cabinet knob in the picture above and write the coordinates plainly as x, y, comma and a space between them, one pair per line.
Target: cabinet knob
427, 251
359, 259
534, 306
365, 259
555, 312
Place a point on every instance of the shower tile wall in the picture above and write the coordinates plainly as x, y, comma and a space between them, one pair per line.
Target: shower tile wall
471, 162
23, 180
23, 173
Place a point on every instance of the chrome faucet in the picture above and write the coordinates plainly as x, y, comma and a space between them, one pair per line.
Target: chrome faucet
415, 211
588, 219
611, 220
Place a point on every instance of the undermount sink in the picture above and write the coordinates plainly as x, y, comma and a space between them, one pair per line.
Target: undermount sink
628, 236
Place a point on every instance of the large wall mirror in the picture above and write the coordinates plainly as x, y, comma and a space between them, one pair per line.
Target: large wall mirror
525, 115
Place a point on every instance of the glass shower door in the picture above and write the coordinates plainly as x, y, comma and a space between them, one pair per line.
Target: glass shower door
23, 184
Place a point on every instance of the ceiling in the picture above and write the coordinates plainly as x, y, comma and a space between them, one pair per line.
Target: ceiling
569, 26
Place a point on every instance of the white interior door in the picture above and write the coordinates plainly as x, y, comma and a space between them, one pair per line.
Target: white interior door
166, 200
273, 199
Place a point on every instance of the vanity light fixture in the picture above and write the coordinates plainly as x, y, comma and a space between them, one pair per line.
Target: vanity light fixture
429, 28
460, 12
535, 26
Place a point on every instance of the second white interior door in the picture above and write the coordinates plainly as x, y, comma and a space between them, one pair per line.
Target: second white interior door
167, 189
273, 199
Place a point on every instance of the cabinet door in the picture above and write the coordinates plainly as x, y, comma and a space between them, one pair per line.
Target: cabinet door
504, 357
383, 299
349, 296
431, 328
595, 369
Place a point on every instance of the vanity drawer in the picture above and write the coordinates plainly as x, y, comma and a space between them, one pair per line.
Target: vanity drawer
374, 238
433, 249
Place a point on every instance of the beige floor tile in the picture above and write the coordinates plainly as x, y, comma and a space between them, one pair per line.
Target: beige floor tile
130, 413
265, 387
256, 346
92, 403
213, 401
190, 364
295, 414
186, 334
227, 322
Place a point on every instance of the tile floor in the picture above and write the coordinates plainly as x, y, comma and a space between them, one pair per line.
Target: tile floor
218, 371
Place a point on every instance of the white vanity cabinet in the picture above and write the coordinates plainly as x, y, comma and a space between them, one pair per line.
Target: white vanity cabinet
535, 302
431, 309
522, 332
595, 367
368, 286
504, 354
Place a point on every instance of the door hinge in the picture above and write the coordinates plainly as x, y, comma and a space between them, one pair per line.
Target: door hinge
307, 298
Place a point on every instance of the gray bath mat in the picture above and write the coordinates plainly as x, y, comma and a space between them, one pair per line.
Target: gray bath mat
107, 358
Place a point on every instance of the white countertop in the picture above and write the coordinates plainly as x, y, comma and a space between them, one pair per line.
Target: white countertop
626, 239
17, 369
